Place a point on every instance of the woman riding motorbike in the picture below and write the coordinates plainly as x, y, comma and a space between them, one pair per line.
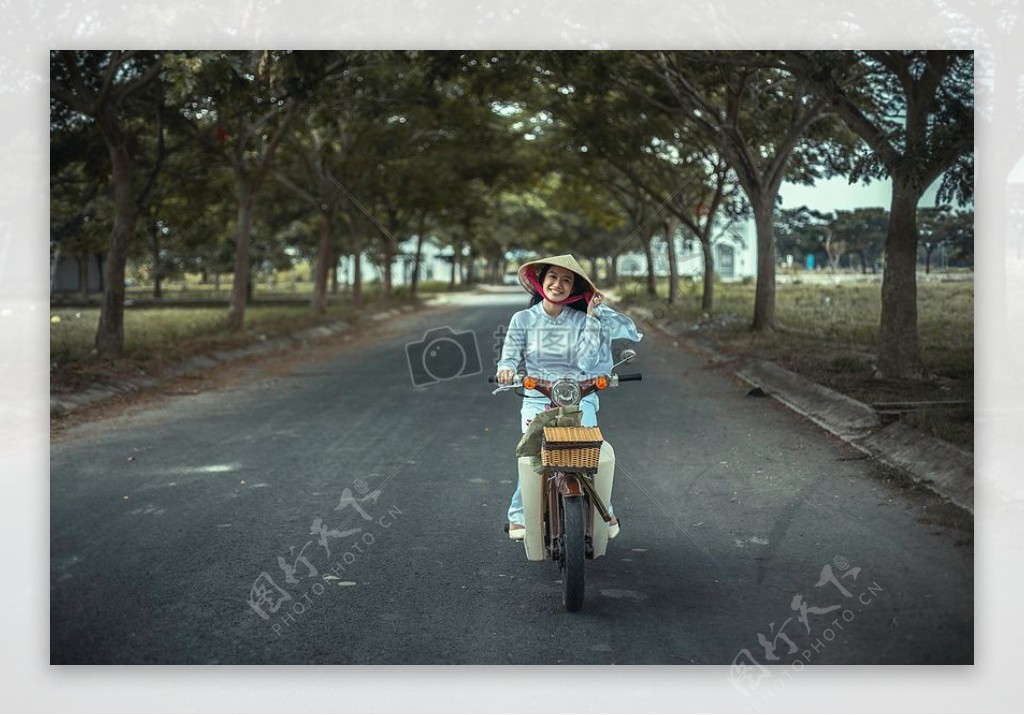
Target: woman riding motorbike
566, 331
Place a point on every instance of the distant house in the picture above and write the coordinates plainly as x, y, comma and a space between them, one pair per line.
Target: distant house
735, 253
435, 265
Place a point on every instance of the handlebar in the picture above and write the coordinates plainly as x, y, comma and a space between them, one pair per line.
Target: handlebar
594, 384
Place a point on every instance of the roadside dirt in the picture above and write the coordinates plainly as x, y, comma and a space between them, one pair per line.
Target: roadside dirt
219, 376
939, 405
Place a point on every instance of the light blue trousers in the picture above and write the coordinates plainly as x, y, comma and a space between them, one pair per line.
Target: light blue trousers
533, 406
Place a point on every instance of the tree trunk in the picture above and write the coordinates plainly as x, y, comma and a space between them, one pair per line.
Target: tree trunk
324, 258
652, 284
415, 280
83, 275
355, 232
764, 295
385, 271
110, 332
158, 271
470, 265
671, 224
863, 263
707, 300
357, 271
898, 351
241, 284
612, 269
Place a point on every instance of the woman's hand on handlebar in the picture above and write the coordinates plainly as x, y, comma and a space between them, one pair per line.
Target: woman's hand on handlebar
505, 377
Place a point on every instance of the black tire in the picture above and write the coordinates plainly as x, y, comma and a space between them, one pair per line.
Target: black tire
573, 552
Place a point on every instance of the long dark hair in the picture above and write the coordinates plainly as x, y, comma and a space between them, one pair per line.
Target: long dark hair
579, 287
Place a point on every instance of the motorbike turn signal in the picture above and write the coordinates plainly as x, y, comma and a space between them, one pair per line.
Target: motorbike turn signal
529, 383
601, 382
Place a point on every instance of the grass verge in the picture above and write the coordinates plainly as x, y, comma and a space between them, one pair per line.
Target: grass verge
830, 335
157, 336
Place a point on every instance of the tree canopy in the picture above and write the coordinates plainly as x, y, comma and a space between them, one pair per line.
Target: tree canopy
220, 161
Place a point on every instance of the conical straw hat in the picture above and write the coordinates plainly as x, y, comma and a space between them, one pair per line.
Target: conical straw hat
566, 261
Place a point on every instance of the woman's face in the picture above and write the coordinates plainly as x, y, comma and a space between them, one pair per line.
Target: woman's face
558, 283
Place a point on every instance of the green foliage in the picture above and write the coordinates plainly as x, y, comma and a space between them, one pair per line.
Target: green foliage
494, 153
445, 134
800, 232
948, 229
914, 111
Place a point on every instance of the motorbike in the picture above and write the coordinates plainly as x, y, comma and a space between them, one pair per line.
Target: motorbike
565, 496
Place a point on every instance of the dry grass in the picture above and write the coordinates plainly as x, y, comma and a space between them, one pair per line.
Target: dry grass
830, 335
190, 320
161, 335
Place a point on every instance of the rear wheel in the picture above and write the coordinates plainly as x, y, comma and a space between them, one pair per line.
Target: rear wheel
573, 552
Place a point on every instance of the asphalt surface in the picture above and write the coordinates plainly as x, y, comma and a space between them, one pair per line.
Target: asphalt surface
748, 532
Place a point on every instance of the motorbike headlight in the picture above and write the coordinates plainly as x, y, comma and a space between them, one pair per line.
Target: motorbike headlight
566, 392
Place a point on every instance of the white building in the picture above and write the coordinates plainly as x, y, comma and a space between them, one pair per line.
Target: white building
735, 253
435, 265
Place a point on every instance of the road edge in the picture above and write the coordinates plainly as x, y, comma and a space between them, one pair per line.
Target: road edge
939, 466
63, 405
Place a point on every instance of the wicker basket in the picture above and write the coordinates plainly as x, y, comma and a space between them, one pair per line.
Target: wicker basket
572, 449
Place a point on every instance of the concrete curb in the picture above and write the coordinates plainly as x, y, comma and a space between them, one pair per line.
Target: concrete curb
842, 416
937, 465
65, 404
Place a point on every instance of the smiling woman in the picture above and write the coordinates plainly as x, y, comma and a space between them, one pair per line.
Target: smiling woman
553, 342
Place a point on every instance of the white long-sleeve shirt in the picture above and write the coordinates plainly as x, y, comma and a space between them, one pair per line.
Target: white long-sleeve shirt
572, 344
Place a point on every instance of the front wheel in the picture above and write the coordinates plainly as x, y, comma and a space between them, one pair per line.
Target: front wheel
573, 552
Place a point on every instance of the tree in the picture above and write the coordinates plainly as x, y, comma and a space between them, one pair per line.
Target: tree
960, 242
800, 232
914, 111
953, 231
79, 208
863, 231
107, 88
315, 146
601, 125
241, 104
640, 214
764, 122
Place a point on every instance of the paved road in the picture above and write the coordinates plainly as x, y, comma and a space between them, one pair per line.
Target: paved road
748, 533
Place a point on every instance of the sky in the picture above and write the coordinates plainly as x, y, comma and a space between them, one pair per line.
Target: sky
836, 193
